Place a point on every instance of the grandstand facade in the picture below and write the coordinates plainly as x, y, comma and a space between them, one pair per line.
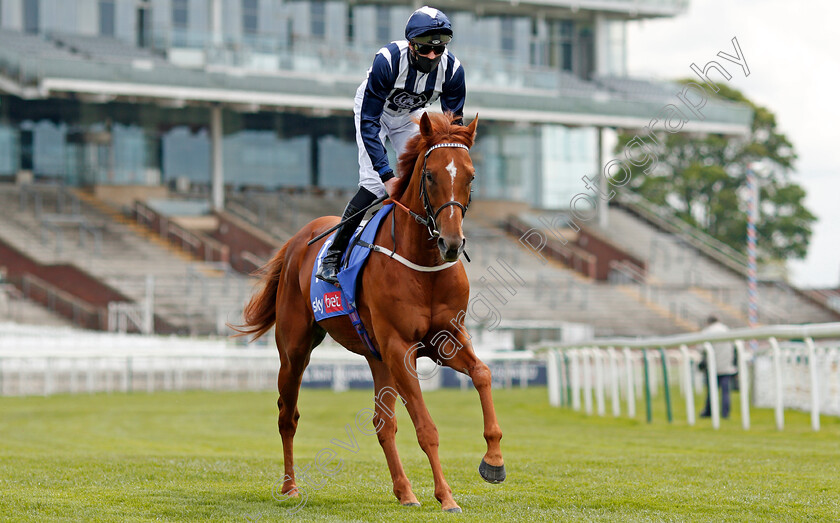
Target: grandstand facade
259, 94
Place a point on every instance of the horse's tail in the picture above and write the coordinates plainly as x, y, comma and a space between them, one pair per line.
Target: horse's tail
261, 312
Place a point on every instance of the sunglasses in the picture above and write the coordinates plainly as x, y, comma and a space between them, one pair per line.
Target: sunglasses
428, 48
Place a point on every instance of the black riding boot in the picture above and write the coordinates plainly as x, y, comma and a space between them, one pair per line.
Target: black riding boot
332, 259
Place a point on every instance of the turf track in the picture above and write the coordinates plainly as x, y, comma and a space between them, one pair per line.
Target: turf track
204, 456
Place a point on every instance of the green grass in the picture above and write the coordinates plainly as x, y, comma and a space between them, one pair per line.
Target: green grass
204, 456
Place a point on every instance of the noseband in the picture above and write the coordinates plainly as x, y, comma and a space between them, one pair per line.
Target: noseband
430, 221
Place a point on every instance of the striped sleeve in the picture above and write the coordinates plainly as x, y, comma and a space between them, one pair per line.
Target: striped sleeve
380, 82
454, 92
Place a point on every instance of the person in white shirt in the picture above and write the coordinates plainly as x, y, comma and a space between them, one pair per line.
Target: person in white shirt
725, 368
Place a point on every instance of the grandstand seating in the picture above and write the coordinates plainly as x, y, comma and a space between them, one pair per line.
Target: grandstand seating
33, 45
636, 87
16, 308
682, 277
194, 296
104, 49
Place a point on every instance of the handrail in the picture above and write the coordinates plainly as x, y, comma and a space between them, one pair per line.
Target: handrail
574, 257
197, 244
51, 293
253, 259
628, 269
813, 330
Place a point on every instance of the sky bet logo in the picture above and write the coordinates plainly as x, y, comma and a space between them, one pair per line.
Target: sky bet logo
331, 303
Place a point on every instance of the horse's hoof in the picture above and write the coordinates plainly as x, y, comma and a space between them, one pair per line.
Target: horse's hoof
411, 504
453, 510
491, 473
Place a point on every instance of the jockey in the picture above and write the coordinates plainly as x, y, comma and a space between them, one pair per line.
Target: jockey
405, 77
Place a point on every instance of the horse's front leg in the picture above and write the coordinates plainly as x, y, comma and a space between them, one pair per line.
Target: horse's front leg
385, 425
462, 358
408, 386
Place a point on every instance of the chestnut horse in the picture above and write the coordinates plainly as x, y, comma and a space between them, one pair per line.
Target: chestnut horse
407, 311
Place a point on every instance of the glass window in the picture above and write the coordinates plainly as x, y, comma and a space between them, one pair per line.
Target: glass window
383, 23
507, 34
318, 18
250, 12
337, 162
9, 156
351, 32
561, 47
31, 16
179, 14
106, 17
42, 148
130, 151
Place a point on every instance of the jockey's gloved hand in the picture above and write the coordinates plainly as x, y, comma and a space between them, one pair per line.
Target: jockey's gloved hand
391, 185
387, 175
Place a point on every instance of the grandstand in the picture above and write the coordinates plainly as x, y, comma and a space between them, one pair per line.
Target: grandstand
152, 157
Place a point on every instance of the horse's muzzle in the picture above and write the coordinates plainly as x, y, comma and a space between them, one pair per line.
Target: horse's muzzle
450, 250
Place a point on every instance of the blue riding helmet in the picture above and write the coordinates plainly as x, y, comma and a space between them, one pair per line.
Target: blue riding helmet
427, 20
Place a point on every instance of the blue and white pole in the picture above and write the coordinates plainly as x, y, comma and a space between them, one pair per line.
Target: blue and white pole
752, 267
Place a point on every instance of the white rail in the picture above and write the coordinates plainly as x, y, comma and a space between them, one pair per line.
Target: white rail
778, 369
35, 360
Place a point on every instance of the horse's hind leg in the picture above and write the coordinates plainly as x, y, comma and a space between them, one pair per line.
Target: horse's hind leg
464, 360
294, 345
385, 425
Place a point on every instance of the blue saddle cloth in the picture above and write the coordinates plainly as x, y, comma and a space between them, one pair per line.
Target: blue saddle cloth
329, 301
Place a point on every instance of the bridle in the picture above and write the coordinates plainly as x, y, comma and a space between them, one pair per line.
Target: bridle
430, 220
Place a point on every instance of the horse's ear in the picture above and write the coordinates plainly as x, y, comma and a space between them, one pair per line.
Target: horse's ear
425, 126
473, 125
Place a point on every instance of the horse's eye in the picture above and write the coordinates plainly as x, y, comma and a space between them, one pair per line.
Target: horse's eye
429, 177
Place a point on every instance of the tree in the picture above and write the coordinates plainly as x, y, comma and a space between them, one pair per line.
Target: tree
704, 179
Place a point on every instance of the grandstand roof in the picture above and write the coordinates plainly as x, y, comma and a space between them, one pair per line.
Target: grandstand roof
98, 70
562, 8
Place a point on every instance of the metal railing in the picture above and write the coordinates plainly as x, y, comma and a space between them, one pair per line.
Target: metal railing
63, 303
43, 361
578, 368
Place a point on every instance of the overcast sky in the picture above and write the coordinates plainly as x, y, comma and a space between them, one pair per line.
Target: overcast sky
793, 54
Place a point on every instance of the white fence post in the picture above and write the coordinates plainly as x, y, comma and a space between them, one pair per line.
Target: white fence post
688, 383
777, 372
743, 384
575, 373
598, 361
815, 396
553, 377
631, 394
587, 380
614, 382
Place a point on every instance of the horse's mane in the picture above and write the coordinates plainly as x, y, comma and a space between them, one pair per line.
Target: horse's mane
443, 130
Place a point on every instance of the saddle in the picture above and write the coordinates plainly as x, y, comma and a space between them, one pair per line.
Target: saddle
328, 301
